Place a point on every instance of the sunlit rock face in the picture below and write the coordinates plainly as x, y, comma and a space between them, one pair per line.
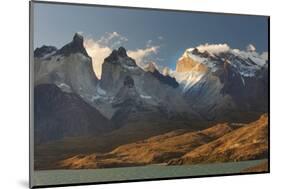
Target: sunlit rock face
186, 64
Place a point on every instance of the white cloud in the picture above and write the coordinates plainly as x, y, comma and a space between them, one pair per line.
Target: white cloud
112, 39
213, 48
98, 54
101, 48
141, 55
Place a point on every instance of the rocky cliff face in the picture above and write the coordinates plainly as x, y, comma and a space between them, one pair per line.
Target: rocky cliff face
70, 68
115, 68
128, 104
187, 64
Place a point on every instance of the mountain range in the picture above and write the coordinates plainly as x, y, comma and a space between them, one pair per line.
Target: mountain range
206, 89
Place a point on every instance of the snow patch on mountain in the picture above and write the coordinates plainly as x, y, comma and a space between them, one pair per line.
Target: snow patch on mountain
63, 86
145, 96
48, 55
259, 59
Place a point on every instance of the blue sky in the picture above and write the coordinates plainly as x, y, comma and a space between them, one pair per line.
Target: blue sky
171, 32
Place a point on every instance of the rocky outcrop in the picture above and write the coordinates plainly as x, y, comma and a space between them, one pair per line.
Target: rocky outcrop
127, 95
186, 64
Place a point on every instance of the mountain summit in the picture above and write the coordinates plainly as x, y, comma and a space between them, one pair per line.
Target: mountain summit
120, 56
75, 46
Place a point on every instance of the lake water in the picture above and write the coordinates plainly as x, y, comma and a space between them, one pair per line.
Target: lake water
57, 177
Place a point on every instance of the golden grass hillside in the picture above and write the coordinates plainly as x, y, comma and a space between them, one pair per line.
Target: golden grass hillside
246, 143
158, 149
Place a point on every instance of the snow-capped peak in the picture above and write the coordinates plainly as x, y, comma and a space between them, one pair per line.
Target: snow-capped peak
213, 58
251, 48
212, 55
207, 50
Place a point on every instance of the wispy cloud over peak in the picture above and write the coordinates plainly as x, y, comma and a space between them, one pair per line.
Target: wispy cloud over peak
141, 56
112, 39
213, 48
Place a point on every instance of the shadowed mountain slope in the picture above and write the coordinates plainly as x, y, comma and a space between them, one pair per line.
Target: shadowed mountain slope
59, 114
